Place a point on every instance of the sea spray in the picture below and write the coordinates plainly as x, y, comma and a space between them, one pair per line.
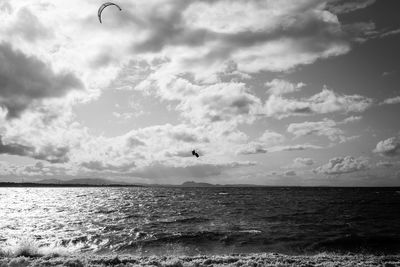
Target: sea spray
29, 247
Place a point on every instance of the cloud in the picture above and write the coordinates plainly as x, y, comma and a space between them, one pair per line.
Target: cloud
100, 166
388, 73
261, 145
196, 55
324, 102
351, 119
391, 101
281, 87
295, 147
25, 80
389, 147
29, 27
390, 32
38, 170
204, 104
180, 153
271, 138
261, 148
386, 164
363, 31
301, 162
221, 102
252, 148
159, 171
342, 165
289, 173
325, 127
345, 6
49, 153
201, 37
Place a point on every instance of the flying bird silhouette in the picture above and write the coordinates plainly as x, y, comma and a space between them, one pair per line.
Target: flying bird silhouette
194, 153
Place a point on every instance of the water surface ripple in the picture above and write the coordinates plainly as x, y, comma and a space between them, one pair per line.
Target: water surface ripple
205, 220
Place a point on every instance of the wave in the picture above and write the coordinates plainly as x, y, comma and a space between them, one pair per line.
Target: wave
186, 220
261, 259
28, 247
359, 244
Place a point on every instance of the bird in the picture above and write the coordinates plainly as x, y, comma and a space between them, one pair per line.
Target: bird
194, 153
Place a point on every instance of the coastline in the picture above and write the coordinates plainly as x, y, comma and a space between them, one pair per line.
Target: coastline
259, 259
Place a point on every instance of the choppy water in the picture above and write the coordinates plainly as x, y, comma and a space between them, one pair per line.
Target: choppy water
205, 220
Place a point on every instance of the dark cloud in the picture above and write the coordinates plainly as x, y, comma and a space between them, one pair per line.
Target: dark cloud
49, 153
26, 79
100, 166
180, 154
134, 142
297, 147
290, 173
345, 6
187, 137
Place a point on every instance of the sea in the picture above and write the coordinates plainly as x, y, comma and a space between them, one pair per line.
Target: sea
207, 221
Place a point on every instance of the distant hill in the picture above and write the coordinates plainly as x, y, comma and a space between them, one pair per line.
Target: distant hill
100, 182
195, 184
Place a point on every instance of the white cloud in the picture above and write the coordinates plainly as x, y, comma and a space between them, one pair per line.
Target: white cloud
325, 127
351, 119
221, 102
281, 87
342, 165
275, 37
301, 162
294, 147
270, 138
257, 147
204, 104
391, 101
252, 148
267, 140
324, 102
389, 147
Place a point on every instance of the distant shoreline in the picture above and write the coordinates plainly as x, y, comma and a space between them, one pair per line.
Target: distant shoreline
10, 184
184, 185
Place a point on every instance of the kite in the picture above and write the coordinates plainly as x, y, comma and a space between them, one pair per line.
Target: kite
103, 6
194, 153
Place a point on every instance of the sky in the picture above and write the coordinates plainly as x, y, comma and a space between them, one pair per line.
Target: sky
289, 92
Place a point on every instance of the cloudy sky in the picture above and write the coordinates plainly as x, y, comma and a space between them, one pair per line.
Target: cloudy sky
289, 92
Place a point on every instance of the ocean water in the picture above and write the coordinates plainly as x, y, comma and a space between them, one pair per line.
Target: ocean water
192, 221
